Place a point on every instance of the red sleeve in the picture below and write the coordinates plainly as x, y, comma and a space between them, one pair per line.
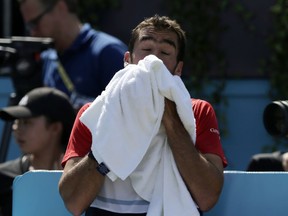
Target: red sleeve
80, 140
207, 131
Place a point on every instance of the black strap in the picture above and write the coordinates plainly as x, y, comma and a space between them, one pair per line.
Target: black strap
101, 168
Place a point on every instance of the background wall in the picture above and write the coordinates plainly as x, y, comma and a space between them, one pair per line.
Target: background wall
246, 134
245, 40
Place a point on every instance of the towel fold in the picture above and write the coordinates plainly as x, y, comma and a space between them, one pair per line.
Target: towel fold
127, 134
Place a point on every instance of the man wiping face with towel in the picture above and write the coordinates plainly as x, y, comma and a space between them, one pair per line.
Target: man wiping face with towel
187, 161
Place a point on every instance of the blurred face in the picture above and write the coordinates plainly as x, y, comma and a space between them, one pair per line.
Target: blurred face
38, 20
163, 44
33, 134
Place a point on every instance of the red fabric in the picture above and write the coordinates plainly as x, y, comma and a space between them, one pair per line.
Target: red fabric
207, 138
207, 131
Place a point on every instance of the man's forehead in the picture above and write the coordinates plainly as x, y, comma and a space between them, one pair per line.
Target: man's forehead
158, 35
163, 33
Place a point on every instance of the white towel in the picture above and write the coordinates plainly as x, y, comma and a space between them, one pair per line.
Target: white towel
127, 134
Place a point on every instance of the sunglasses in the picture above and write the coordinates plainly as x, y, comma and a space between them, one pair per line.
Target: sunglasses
33, 23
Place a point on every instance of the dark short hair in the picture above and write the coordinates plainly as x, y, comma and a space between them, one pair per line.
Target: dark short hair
160, 23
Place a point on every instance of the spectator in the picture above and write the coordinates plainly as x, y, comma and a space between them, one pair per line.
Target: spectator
274, 119
43, 120
274, 161
85, 59
84, 185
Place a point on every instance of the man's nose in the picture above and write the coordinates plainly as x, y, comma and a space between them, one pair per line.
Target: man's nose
156, 53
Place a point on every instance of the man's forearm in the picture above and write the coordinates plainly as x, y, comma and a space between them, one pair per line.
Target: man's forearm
203, 174
203, 178
79, 184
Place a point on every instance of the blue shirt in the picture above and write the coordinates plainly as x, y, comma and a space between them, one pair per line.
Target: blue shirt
90, 62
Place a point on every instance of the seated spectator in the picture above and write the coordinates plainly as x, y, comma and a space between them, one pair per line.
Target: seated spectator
275, 161
43, 120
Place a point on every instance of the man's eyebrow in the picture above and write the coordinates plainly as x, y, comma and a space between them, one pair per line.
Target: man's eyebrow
168, 41
172, 43
146, 37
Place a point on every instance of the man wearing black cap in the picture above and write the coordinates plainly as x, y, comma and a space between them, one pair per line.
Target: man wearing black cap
43, 120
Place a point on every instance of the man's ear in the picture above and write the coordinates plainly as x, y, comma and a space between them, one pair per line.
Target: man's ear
178, 69
127, 58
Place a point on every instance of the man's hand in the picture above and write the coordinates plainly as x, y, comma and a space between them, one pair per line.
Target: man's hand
170, 114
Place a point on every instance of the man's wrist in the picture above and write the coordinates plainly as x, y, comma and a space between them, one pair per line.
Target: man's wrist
101, 168
91, 156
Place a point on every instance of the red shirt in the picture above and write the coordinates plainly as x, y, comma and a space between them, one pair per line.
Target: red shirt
207, 133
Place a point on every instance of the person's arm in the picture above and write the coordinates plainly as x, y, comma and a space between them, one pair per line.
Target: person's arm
203, 174
80, 183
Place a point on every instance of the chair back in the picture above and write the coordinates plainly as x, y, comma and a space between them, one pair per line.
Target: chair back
36, 193
253, 194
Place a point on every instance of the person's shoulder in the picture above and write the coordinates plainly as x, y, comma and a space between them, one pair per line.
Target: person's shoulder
14, 167
83, 108
200, 103
103, 38
202, 107
110, 40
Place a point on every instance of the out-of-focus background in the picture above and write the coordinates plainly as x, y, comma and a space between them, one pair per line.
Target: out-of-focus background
236, 60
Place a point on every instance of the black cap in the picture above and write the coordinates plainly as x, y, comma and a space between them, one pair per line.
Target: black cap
46, 101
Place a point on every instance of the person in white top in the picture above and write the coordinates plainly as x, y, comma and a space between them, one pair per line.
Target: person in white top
84, 185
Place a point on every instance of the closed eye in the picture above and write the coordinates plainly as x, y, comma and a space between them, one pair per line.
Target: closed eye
165, 53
